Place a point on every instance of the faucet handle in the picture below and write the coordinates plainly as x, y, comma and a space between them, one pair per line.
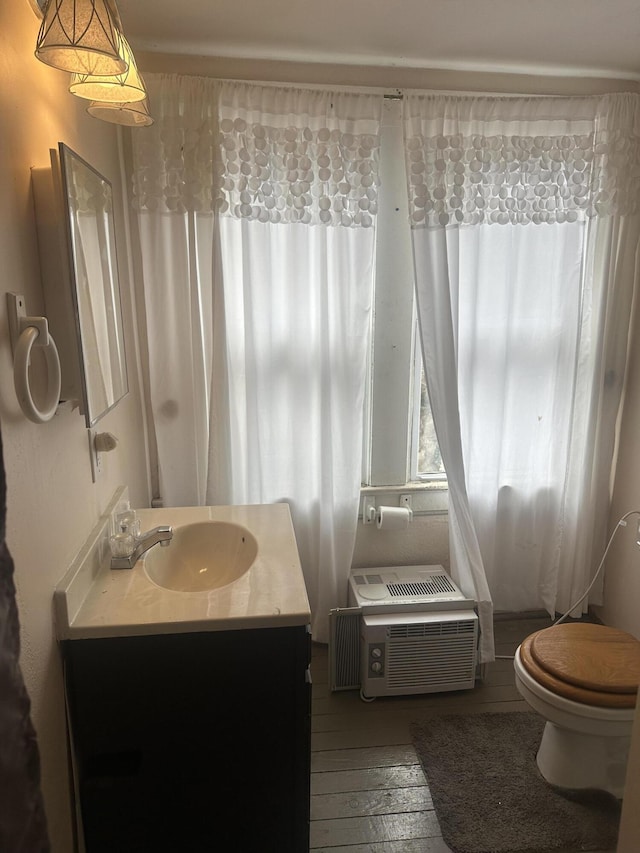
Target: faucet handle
128, 522
122, 544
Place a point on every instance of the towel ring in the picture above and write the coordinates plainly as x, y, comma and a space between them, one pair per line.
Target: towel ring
32, 329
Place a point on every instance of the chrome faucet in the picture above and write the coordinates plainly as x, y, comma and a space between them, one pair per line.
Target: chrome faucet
142, 543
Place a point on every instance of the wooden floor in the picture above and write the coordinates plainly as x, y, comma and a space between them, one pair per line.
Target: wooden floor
368, 791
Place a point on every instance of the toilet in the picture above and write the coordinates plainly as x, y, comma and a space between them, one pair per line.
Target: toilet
582, 679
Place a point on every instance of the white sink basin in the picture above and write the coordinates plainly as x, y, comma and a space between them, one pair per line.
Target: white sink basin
202, 556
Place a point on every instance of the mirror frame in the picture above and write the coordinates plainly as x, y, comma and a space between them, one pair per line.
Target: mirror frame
107, 306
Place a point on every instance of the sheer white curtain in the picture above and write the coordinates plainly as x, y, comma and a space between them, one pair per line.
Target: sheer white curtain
175, 184
525, 234
258, 305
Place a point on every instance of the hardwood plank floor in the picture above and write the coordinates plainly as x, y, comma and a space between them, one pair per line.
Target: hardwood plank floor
368, 791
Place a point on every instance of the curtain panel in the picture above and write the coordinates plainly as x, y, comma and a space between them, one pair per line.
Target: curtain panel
256, 211
174, 188
524, 218
299, 184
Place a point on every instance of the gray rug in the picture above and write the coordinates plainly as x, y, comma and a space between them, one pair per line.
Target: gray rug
490, 797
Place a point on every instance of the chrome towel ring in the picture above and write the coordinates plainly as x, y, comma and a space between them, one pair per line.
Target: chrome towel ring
27, 332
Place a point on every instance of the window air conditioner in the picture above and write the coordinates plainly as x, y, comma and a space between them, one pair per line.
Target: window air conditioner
407, 630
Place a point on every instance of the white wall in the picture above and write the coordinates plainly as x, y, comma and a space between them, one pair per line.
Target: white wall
622, 571
386, 77
52, 502
426, 541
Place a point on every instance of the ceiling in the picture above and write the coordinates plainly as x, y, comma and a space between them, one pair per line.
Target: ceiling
561, 37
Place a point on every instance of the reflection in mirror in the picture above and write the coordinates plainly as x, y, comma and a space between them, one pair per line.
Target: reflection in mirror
95, 287
76, 241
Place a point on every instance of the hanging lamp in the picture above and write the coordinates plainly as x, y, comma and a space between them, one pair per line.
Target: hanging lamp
80, 36
127, 87
135, 114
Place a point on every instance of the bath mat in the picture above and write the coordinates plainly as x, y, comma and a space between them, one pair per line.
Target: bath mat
490, 797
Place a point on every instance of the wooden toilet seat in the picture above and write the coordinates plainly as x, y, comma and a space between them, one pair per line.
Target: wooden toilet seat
591, 664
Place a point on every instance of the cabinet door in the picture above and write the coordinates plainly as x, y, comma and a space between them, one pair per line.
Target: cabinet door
192, 740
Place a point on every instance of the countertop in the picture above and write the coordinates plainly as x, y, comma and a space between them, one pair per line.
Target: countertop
93, 600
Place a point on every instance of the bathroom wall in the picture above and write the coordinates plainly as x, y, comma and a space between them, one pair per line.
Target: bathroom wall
426, 541
622, 570
386, 77
52, 502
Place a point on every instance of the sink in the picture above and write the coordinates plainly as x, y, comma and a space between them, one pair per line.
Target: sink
202, 556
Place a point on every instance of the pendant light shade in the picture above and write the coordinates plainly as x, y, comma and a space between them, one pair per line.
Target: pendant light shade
131, 115
80, 36
120, 88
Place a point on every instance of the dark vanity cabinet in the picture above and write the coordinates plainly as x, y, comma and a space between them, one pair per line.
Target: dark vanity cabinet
192, 742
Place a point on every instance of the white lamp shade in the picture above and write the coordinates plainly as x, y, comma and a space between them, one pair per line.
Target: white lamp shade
131, 115
80, 36
127, 87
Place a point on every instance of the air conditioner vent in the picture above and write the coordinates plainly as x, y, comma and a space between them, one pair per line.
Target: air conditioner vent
434, 586
437, 629
344, 648
409, 588
437, 662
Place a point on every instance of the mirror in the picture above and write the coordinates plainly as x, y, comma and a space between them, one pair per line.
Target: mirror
95, 287
76, 236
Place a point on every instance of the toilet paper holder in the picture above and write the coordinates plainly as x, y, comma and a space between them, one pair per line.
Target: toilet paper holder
371, 512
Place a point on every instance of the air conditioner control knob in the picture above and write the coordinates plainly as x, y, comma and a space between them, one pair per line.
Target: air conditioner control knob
376, 653
376, 667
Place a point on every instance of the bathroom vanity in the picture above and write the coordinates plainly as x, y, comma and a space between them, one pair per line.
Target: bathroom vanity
189, 712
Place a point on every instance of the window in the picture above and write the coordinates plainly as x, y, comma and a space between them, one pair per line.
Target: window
400, 444
426, 456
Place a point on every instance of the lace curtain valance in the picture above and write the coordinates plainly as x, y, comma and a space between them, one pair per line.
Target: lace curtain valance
277, 154
520, 160
290, 155
174, 159
268, 153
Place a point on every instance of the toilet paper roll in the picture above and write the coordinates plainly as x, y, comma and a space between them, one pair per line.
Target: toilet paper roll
393, 518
